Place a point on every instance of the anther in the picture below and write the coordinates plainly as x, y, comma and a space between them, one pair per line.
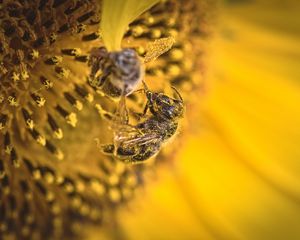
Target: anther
62, 72
7, 143
57, 132
54, 150
74, 102
2, 170
47, 83
54, 60
28, 120
14, 158
36, 174
25, 189
72, 52
39, 100
84, 94
38, 137
71, 118
3, 120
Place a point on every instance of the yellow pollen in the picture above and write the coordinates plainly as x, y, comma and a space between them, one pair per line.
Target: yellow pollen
78, 105
97, 187
53, 37
174, 70
57, 59
36, 174
41, 140
114, 195
30, 123
16, 163
64, 73
15, 77
24, 75
176, 54
34, 54
49, 178
8, 149
12, 101
41, 101
72, 119
49, 196
76, 51
58, 134
59, 155
89, 98
48, 84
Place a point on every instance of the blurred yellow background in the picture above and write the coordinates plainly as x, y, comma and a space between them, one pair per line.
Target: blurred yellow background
237, 176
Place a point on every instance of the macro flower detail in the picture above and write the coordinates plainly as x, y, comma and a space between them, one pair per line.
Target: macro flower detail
53, 178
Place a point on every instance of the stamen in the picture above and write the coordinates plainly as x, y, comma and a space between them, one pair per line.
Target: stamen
57, 132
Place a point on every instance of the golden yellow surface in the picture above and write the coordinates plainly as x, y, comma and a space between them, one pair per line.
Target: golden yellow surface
117, 15
237, 175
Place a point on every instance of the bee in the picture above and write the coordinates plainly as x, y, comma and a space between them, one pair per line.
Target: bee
137, 143
118, 73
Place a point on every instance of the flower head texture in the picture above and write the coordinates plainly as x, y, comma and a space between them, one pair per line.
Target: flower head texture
231, 170
54, 179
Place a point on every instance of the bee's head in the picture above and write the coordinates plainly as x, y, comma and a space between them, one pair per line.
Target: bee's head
164, 106
168, 108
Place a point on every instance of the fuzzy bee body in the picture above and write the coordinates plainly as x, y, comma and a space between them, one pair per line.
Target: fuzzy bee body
145, 143
140, 142
115, 74
118, 73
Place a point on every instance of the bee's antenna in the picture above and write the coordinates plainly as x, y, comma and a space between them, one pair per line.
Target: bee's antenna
148, 93
145, 86
139, 90
178, 94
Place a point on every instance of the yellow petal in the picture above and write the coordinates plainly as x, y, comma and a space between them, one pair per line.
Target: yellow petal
117, 15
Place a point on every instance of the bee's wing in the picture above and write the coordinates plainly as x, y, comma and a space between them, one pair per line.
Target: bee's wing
157, 48
141, 140
124, 132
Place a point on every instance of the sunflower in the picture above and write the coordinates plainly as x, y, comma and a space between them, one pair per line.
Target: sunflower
53, 177
230, 174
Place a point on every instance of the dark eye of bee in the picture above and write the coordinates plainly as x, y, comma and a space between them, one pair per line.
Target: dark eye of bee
163, 100
167, 108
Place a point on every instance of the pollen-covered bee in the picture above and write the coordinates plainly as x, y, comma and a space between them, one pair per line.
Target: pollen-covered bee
115, 73
118, 73
137, 143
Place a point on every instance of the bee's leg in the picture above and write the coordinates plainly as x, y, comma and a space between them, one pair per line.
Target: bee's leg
97, 82
107, 149
139, 90
149, 95
103, 113
145, 109
137, 115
